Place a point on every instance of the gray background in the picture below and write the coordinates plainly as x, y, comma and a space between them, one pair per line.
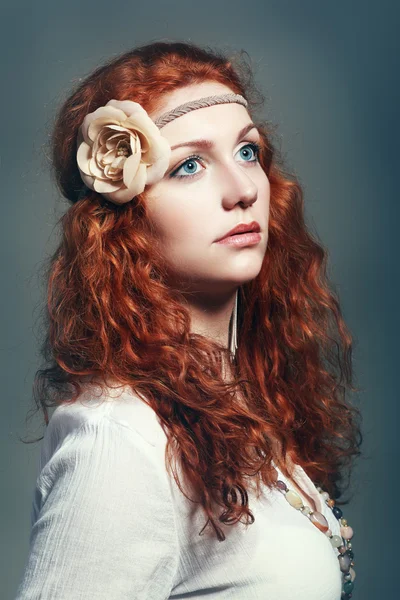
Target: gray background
329, 71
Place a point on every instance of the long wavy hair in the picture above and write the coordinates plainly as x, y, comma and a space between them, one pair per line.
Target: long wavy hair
111, 315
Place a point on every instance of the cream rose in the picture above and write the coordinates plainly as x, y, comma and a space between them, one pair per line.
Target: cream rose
121, 150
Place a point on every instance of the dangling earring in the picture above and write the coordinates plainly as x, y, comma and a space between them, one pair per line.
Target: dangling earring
233, 342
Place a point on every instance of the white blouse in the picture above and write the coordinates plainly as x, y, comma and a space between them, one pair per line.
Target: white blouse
109, 522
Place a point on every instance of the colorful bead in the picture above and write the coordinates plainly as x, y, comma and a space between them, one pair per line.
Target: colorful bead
347, 532
336, 541
319, 521
281, 485
341, 543
337, 512
348, 587
306, 510
344, 562
294, 499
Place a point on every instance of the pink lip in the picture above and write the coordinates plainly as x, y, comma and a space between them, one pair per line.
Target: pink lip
241, 239
241, 228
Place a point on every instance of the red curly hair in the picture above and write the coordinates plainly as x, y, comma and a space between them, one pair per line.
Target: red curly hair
110, 313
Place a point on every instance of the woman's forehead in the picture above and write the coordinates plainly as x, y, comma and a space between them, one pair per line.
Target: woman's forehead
213, 123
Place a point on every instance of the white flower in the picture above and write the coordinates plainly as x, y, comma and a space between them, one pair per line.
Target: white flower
121, 150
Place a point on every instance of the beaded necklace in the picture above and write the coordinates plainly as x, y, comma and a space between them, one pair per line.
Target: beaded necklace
342, 543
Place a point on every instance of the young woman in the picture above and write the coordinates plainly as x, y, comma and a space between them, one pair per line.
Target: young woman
197, 357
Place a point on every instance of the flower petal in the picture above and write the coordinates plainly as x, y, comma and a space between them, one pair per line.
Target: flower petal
104, 186
136, 146
113, 140
118, 128
87, 179
157, 149
126, 194
115, 168
131, 167
139, 183
97, 126
108, 157
107, 138
113, 175
142, 123
143, 140
113, 114
128, 107
95, 170
157, 170
120, 197
83, 157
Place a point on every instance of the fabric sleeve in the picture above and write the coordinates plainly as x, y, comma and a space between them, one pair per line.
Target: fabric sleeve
105, 528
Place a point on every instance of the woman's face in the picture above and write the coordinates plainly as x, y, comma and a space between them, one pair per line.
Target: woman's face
200, 199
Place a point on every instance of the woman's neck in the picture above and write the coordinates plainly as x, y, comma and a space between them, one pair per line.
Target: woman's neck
210, 315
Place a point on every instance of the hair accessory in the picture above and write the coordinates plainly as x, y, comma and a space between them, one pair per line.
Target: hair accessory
233, 341
120, 149
182, 109
341, 544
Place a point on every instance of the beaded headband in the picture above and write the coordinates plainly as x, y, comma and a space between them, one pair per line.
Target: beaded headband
120, 149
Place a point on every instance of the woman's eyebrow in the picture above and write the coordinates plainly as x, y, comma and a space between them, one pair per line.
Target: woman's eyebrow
209, 143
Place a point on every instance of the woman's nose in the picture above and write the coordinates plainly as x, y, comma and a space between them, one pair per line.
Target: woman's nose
237, 186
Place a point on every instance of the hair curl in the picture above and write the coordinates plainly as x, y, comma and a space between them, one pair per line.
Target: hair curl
110, 313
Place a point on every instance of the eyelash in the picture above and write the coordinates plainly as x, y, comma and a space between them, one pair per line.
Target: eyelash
253, 145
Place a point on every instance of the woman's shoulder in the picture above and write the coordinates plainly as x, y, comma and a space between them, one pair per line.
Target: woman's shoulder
96, 406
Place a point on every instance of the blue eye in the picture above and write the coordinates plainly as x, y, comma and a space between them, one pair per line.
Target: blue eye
254, 148
190, 163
